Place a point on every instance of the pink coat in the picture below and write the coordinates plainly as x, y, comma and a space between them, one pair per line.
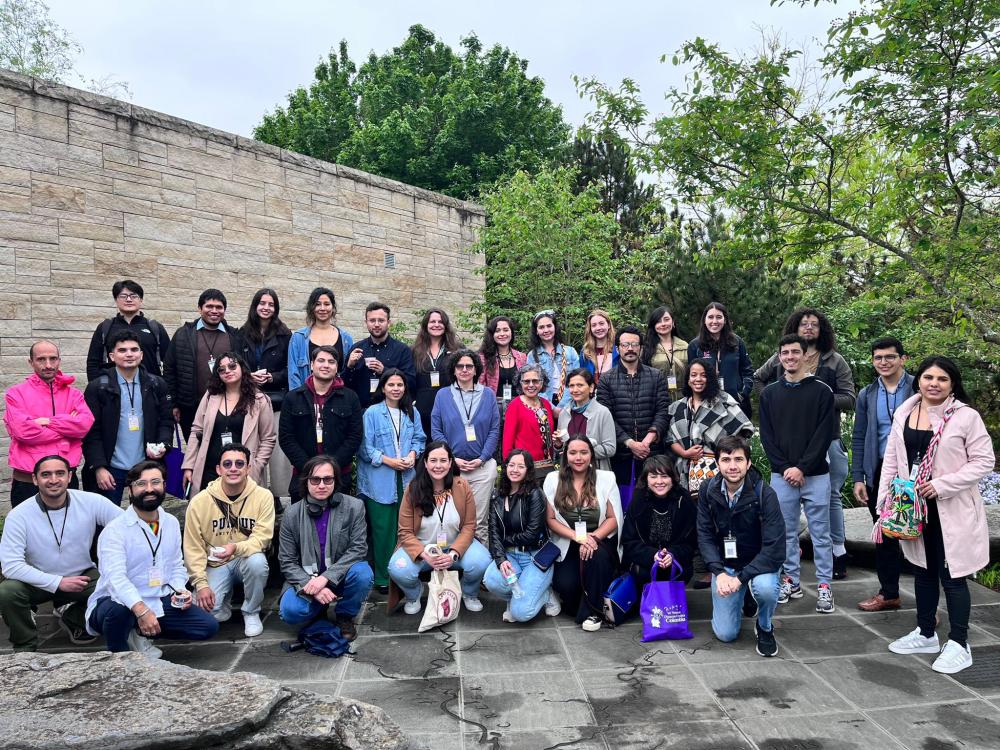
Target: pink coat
259, 436
492, 379
69, 420
964, 456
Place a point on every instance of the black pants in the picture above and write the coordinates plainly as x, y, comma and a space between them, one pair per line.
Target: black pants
888, 555
21, 491
581, 584
925, 585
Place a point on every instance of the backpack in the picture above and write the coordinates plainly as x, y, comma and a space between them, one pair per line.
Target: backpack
323, 638
155, 328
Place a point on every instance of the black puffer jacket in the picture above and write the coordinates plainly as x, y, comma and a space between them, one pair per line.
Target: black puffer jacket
638, 404
528, 529
179, 363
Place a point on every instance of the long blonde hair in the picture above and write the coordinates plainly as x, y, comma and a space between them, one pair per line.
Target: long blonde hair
566, 499
589, 345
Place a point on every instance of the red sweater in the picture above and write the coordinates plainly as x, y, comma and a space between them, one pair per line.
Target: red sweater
521, 430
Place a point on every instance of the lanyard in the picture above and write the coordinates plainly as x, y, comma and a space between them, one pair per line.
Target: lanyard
62, 531
159, 541
443, 506
215, 342
468, 409
130, 390
668, 354
434, 360
397, 427
895, 401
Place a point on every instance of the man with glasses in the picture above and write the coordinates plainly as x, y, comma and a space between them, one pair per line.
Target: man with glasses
132, 418
321, 416
45, 554
638, 399
873, 415
227, 529
370, 357
822, 360
322, 551
142, 592
153, 337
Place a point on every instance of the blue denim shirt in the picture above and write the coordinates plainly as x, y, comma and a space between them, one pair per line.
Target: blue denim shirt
375, 479
298, 355
554, 367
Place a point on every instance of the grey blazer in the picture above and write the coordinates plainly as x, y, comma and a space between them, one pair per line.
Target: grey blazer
600, 430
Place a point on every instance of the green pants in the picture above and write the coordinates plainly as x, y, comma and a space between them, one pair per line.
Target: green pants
384, 520
18, 598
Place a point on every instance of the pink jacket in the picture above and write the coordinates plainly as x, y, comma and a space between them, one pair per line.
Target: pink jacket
64, 407
964, 456
492, 379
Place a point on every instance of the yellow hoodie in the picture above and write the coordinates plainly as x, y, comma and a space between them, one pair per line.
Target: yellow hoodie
205, 526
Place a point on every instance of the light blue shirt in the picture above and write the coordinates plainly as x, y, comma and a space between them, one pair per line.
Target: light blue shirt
130, 447
566, 360
885, 407
201, 324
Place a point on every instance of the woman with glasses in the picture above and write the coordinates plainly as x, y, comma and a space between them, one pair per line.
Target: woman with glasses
716, 341
587, 416
465, 416
436, 340
664, 349
233, 410
393, 438
529, 423
555, 357
599, 351
320, 330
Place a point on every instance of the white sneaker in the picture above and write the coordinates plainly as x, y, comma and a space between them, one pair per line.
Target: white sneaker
472, 603
953, 658
507, 616
143, 645
412, 608
552, 606
592, 624
252, 626
223, 613
914, 643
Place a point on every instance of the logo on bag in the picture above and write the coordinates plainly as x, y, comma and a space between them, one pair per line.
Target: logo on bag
655, 617
671, 614
447, 602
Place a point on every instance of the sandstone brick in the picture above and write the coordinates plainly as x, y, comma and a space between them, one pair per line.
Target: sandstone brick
14, 202
62, 197
147, 227
31, 231
221, 203
118, 155
90, 231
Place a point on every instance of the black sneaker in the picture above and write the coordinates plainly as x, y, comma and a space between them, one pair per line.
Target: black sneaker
840, 567
347, 628
749, 604
766, 645
77, 636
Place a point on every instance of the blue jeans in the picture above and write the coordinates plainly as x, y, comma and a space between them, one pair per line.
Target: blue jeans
115, 495
839, 468
814, 498
250, 571
116, 621
351, 594
727, 610
534, 583
406, 573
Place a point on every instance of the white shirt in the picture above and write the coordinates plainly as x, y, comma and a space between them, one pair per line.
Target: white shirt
607, 492
29, 551
125, 559
442, 516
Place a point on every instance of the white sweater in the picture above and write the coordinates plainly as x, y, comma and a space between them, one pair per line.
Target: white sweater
28, 548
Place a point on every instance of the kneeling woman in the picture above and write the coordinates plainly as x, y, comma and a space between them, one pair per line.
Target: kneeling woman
438, 510
661, 524
585, 517
518, 530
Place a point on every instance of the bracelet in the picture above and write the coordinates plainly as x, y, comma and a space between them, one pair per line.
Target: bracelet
142, 614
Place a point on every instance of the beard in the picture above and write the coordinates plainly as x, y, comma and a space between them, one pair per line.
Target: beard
149, 501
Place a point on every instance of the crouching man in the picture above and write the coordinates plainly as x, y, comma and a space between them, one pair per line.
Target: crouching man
142, 592
322, 550
741, 535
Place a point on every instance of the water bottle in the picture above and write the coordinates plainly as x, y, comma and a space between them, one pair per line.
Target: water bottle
515, 587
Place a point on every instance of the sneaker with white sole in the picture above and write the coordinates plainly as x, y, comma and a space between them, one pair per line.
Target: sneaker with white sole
592, 624
788, 591
223, 613
914, 643
507, 615
472, 603
552, 606
412, 607
252, 626
953, 658
143, 645
824, 601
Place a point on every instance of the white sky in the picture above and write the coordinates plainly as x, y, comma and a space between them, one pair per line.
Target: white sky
225, 64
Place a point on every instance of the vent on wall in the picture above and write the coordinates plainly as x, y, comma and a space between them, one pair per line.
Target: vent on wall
390, 260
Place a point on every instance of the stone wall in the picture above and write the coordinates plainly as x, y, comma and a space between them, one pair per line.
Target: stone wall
93, 189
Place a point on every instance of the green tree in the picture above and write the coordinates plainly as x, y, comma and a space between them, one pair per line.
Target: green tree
425, 115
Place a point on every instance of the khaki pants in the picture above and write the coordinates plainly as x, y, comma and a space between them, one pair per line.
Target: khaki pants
482, 480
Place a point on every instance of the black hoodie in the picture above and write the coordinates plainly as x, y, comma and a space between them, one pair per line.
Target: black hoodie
638, 550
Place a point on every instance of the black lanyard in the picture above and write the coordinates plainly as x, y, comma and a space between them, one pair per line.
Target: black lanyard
62, 532
444, 507
669, 355
434, 360
159, 540
397, 427
215, 341
468, 409
130, 390
895, 401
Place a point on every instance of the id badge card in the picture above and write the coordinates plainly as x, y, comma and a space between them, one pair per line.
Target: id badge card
508, 392
319, 434
435, 379
470, 433
672, 382
133, 422
154, 576
442, 540
372, 384
580, 529
722, 384
226, 438
211, 364
730, 547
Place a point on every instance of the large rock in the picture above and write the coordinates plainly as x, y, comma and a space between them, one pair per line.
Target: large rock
122, 701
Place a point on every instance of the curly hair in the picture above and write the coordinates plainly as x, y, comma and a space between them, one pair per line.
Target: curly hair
711, 391
248, 388
488, 349
826, 341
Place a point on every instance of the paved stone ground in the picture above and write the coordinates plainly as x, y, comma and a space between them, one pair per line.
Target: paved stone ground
547, 684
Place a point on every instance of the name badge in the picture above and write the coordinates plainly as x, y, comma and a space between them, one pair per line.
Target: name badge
154, 576
508, 392
442, 540
722, 384
373, 385
672, 382
730, 547
319, 433
211, 363
435, 379
227, 438
580, 529
470, 433
133, 422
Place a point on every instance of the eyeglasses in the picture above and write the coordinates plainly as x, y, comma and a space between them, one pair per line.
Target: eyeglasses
316, 481
461, 366
141, 484
885, 358
630, 345
231, 367
530, 381
128, 297
229, 463
805, 324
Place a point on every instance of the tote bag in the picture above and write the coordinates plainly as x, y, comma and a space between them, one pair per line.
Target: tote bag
173, 461
664, 608
444, 599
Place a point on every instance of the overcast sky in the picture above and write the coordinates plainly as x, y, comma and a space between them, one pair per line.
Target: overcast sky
225, 64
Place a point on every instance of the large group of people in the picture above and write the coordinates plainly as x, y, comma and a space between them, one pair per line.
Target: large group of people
540, 475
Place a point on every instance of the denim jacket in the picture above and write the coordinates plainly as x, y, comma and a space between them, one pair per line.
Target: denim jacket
554, 367
375, 479
298, 355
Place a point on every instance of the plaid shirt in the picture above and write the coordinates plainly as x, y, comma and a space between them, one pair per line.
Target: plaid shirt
713, 421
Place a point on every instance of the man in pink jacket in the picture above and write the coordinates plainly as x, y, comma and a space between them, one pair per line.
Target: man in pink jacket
45, 416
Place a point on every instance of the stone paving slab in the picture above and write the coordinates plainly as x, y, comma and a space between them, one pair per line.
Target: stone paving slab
482, 683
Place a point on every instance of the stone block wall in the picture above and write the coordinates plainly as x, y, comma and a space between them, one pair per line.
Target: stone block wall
93, 190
